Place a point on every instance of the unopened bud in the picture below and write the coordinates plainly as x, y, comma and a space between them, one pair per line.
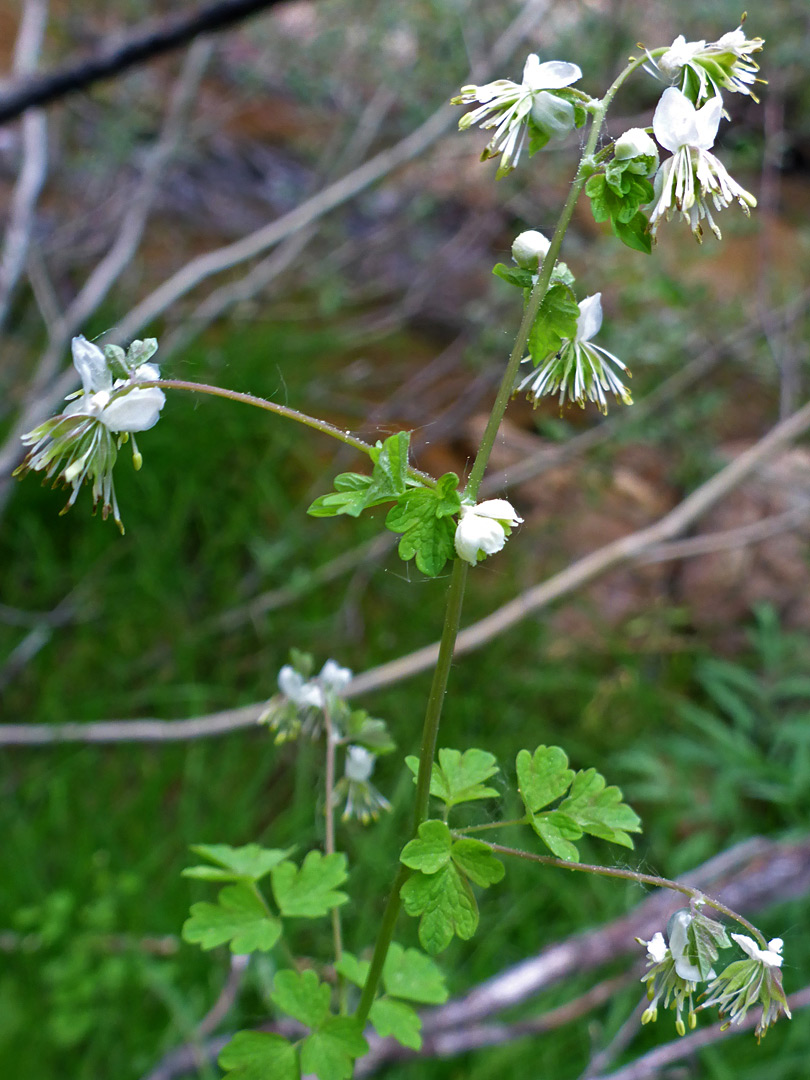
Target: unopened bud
529, 249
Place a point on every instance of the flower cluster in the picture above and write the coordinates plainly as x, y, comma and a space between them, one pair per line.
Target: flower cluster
580, 370
304, 699
705, 69
83, 441
483, 529
533, 106
676, 968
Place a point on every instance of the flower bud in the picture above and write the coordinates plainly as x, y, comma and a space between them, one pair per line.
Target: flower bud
636, 143
529, 249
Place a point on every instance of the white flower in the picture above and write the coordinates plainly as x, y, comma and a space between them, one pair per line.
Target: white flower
686, 179
483, 529
636, 143
678, 945
78, 444
511, 107
302, 692
580, 369
529, 249
705, 70
656, 948
334, 677
363, 800
771, 956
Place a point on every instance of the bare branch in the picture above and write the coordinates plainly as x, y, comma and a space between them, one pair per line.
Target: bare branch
116, 57
34, 159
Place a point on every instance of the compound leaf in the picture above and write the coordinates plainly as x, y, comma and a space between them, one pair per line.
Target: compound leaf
396, 1019
303, 996
431, 850
238, 917
477, 861
254, 1055
250, 862
310, 892
409, 974
446, 906
330, 1051
542, 776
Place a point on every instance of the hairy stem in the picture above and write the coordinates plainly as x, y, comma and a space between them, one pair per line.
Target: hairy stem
329, 839
632, 875
280, 410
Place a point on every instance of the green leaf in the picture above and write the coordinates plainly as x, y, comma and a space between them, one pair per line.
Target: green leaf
310, 892
254, 1055
704, 938
446, 905
303, 996
424, 517
250, 862
459, 778
556, 320
408, 973
477, 862
352, 503
390, 473
238, 916
599, 810
556, 830
431, 851
330, 1051
396, 1019
514, 275
361, 728
356, 971
543, 776
635, 233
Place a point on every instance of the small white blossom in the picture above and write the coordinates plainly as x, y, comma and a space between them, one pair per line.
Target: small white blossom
686, 180
529, 249
636, 143
306, 694
580, 369
79, 443
483, 529
363, 800
705, 69
511, 107
334, 677
771, 956
656, 947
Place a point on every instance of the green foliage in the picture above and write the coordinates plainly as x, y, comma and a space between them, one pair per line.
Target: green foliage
704, 938
359, 727
311, 891
239, 917
589, 807
616, 196
440, 892
556, 321
256, 1055
355, 492
396, 1019
514, 275
248, 863
330, 1051
425, 518
303, 996
460, 778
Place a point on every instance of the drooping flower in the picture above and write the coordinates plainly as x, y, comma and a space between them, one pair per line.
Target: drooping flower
83, 441
745, 983
580, 370
704, 69
686, 180
334, 677
483, 529
363, 800
305, 693
665, 984
513, 108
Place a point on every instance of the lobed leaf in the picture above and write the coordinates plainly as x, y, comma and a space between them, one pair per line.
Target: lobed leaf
599, 810
310, 892
542, 776
303, 996
409, 974
477, 862
330, 1051
238, 917
254, 1055
446, 906
430, 851
398, 1020
250, 862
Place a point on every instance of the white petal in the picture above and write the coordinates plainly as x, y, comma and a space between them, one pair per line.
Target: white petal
707, 121
747, 944
499, 509
91, 364
146, 373
635, 143
478, 534
590, 317
657, 948
335, 677
138, 410
674, 121
552, 114
678, 927
359, 763
553, 75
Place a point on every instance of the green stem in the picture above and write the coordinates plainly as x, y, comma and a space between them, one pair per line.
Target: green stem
329, 840
280, 410
490, 825
540, 289
430, 731
632, 875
